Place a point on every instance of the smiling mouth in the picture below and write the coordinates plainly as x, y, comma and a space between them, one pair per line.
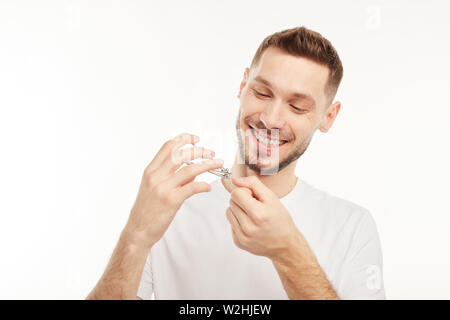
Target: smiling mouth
264, 141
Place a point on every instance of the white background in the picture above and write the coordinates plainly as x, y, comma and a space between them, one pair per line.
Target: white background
90, 90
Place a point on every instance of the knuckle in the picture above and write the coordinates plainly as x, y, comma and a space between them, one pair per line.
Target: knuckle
169, 143
187, 154
181, 136
185, 137
229, 215
242, 242
239, 192
180, 155
176, 156
149, 178
258, 219
263, 218
197, 152
235, 193
249, 230
190, 170
176, 139
206, 153
147, 172
236, 240
245, 228
185, 170
161, 194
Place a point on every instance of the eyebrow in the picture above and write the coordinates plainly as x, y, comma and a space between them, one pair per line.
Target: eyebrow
304, 96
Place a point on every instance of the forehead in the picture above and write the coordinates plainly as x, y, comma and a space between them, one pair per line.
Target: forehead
289, 73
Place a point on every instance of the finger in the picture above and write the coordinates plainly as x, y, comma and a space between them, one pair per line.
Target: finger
235, 225
243, 197
258, 188
236, 239
168, 146
189, 172
198, 152
180, 156
192, 188
244, 220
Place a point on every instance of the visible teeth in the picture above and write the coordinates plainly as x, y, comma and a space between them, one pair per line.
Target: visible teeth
266, 140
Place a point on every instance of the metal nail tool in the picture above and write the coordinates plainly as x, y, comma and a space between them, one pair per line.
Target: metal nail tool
221, 172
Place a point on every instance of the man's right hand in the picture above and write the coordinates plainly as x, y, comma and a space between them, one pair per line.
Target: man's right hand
163, 189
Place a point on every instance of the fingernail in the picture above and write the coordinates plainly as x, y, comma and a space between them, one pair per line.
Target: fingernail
196, 138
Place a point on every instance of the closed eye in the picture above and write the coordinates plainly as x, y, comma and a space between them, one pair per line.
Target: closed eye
297, 109
260, 94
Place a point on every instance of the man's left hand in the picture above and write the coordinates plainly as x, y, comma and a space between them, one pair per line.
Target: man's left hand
259, 221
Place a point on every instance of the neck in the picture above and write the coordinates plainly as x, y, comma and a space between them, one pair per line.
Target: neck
281, 183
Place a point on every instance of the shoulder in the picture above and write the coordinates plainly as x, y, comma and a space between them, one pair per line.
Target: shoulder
336, 209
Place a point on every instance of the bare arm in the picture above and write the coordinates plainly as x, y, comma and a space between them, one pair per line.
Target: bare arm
123, 272
301, 275
162, 191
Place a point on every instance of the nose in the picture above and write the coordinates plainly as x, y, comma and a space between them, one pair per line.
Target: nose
272, 116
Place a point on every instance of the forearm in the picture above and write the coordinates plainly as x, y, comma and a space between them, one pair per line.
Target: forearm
301, 275
123, 273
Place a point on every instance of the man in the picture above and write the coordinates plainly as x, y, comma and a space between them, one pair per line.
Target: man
264, 234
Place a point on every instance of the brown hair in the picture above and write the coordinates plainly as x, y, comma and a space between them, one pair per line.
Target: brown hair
306, 43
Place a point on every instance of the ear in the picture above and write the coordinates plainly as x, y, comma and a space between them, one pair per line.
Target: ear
244, 81
330, 114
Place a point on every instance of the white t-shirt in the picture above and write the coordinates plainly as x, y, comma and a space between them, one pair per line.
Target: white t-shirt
197, 258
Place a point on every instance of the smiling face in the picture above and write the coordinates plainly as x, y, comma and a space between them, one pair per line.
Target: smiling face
282, 98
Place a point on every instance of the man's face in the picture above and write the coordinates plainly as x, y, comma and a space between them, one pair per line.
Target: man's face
282, 98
